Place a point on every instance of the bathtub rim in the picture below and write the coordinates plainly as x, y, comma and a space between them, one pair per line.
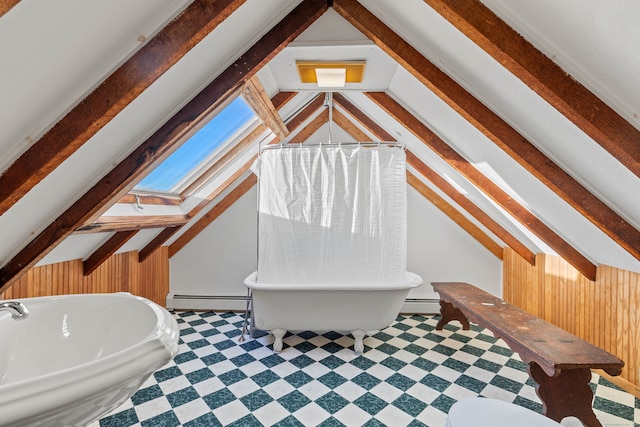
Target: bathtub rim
413, 280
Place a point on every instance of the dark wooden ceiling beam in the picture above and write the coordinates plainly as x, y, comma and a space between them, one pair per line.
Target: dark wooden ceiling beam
307, 111
471, 208
588, 112
364, 120
281, 98
311, 128
112, 96
529, 220
121, 178
492, 126
350, 127
157, 241
106, 250
7, 5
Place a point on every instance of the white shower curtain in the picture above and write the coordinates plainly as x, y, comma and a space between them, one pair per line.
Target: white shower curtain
332, 215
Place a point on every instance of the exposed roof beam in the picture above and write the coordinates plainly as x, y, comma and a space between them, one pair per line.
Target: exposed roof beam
112, 96
546, 78
471, 208
475, 231
106, 250
120, 179
364, 120
257, 98
6, 5
429, 138
310, 128
214, 213
350, 127
156, 242
129, 223
309, 110
281, 98
442, 184
492, 126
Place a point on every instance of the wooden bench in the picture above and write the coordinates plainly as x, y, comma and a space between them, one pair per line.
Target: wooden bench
558, 361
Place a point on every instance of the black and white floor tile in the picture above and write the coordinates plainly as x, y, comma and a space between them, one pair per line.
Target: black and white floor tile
409, 375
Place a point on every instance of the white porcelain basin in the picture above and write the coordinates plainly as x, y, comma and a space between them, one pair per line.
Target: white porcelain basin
77, 357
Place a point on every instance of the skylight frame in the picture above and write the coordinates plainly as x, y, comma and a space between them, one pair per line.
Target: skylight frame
181, 189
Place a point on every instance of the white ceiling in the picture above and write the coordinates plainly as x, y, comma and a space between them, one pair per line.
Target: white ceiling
50, 62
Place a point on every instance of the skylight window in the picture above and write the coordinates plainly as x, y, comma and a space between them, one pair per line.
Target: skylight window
194, 156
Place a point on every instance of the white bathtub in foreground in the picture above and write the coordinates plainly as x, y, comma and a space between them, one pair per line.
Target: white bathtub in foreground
357, 309
77, 357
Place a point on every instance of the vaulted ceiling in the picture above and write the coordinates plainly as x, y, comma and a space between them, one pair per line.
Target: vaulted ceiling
520, 118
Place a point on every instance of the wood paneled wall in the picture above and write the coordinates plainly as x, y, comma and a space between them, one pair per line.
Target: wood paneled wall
605, 312
119, 273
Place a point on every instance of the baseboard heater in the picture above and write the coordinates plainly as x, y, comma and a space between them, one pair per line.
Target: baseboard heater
207, 302
421, 306
239, 303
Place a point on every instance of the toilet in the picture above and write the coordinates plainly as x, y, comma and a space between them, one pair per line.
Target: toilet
481, 412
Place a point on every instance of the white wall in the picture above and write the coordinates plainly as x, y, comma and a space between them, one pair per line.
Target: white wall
439, 250
216, 262
218, 259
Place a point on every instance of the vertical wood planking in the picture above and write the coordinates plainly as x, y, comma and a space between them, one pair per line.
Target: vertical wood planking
526, 291
153, 275
633, 360
119, 273
607, 309
605, 312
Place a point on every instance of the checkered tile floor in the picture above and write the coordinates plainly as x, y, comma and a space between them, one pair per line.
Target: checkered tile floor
409, 375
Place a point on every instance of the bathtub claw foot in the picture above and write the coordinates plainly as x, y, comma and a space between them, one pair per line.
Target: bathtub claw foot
277, 335
358, 335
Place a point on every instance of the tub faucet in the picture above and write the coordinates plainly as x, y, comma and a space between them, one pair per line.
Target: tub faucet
17, 309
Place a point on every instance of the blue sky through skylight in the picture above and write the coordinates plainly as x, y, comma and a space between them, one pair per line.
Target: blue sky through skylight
170, 173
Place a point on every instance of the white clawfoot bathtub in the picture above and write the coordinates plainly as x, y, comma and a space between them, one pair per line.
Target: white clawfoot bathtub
77, 357
357, 309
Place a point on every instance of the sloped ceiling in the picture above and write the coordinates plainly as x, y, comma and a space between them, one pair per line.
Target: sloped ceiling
477, 92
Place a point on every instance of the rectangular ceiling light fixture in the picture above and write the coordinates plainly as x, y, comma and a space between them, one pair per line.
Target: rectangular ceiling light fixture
331, 74
331, 77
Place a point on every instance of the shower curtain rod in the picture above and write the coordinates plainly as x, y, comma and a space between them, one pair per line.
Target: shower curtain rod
334, 144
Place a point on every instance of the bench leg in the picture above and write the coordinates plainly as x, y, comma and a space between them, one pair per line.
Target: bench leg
565, 395
449, 312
